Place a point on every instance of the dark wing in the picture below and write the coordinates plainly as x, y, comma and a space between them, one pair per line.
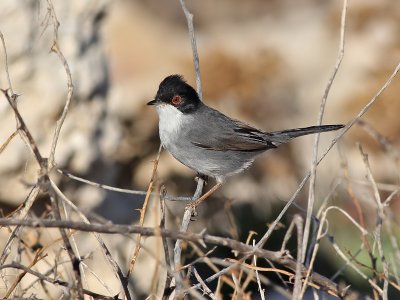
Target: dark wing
215, 131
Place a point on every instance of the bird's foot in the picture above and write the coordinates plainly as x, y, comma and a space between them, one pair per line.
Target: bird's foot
194, 215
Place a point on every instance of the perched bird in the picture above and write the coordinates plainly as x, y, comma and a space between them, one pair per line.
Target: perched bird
206, 140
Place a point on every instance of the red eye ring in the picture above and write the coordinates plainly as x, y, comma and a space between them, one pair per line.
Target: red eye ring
176, 100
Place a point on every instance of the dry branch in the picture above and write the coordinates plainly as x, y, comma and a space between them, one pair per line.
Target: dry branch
282, 258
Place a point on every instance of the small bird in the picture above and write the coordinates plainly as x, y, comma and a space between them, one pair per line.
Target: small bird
206, 140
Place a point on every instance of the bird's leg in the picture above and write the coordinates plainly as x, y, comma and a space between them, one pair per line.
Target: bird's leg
203, 177
206, 195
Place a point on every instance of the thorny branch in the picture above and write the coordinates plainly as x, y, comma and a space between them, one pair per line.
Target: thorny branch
56, 49
279, 257
143, 213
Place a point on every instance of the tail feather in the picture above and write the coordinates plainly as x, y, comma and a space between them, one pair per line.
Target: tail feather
280, 137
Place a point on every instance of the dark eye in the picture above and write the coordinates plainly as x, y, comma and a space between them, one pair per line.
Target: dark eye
176, 100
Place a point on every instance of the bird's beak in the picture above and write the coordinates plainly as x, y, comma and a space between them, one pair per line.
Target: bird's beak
153, 102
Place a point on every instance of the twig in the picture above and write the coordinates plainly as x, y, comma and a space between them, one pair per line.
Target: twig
22, 214
56, 49
387, 187
6, 63
75, 262
102, 244
9, 139
336, 247
378, 228
311, 195
249, 270
164, 239
100, 280
297, 291
142, 214
119, 190
178, 244
354, 267
333, 142
189, 19
59, 282
260, 289
206, 289
36, 259
275, 256
12, 100
388, 147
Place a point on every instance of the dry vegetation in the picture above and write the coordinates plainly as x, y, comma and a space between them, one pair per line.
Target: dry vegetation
62, 253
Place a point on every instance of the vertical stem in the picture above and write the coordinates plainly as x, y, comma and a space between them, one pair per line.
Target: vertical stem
189, 19
178, 245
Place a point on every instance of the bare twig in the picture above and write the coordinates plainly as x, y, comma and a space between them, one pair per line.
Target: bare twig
189, 19
164, 239
37, 258
59, 282
260, 289
22, 214
9, 139
275, 256
102, 244
178, 245
57, 50
333, 142
206, 289
6, 63
75, 262
378, 228
143, 213
119, 190
297, 291
311, 195
23, 129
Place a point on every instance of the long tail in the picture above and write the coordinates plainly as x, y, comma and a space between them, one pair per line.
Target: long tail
280, 137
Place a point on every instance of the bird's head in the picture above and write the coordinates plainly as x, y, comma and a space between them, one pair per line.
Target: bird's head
174, 90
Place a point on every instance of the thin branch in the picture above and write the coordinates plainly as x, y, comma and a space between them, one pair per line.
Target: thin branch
260, 289
106, 251
311, 195
12, 100
164, 239
275, 256
57, 50
37, 258
178, 245
6, 63
297, 291
333, 143
59, 282
189, 19
206, 289
9, 139
378, 228
75, 262
22, 214
143, 213
119, 190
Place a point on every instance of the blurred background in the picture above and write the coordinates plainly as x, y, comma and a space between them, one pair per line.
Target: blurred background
264, 62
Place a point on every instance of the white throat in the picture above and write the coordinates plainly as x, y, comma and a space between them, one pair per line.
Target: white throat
171, 120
